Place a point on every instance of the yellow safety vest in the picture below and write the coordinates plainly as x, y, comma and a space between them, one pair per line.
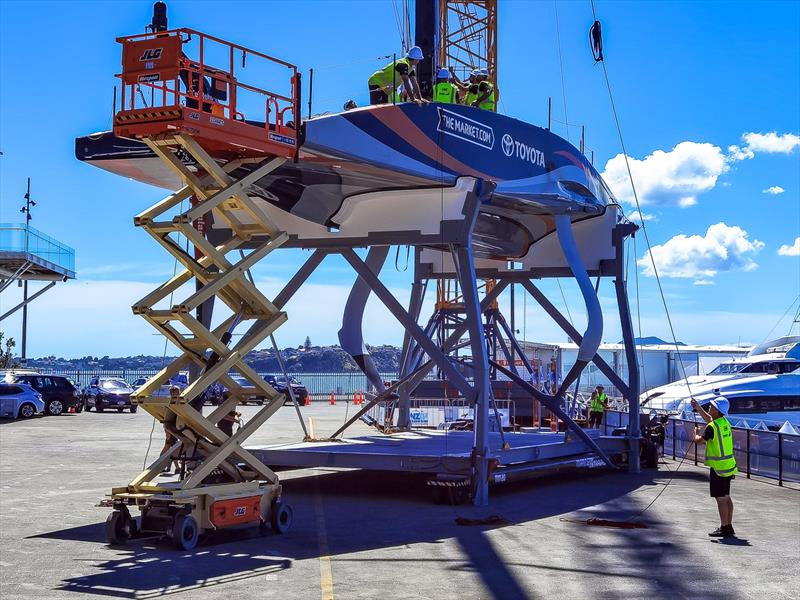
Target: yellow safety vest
719, 449
444, 92
385, 77
597, 403
489, 103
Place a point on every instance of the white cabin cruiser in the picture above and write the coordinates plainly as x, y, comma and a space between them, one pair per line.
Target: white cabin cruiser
762, 386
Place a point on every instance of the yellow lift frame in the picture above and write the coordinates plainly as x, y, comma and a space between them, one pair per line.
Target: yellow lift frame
200, 501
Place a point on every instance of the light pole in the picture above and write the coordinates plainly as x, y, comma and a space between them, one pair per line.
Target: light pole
26, 209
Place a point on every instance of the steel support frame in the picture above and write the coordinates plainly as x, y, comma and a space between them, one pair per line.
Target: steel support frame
27, 301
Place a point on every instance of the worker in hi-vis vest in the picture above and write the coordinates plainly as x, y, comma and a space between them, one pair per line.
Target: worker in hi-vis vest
385, 81
485, 96
444, 91
478, 91
597, 407
718, 439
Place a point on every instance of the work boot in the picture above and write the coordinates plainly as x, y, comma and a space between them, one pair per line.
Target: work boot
718, 532
727, 531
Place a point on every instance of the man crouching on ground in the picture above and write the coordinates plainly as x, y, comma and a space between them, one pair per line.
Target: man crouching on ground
719, 457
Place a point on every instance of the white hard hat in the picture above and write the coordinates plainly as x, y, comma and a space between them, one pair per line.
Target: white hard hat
721, 404
443, 73
484, 72
476, 72
415, 53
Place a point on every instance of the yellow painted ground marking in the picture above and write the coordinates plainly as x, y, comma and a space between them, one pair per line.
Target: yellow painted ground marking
325, 571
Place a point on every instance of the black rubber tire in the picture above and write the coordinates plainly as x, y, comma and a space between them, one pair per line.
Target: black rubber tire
281, 517
98, 407
185, 532
651, 456
86, 406
439, 494
133, 409
79, 407
54, 408
117, 528
459, 495
119, 410
26, 411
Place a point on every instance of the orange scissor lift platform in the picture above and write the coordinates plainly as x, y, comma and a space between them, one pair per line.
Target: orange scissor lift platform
183, 95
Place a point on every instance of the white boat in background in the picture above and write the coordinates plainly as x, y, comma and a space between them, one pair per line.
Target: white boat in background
762, 386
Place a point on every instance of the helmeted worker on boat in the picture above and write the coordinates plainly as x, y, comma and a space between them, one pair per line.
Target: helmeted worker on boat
445, 91
478, 91
384, 82
718, 439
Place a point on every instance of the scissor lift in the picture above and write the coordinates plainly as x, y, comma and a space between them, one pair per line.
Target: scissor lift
193, 123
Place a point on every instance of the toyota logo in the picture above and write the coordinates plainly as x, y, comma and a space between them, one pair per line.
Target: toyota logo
508, 145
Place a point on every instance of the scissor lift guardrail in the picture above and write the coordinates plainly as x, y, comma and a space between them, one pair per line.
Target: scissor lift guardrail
221, 483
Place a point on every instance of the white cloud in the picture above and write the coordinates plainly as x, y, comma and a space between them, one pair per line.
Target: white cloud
774, 190
673, 178
638, 217
703, 282
768, 143
722, 248
793, 250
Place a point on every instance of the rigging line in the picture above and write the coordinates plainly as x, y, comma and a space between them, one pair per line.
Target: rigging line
638, 315
783, 316
164, 355
561, 64
564, 298
644, 228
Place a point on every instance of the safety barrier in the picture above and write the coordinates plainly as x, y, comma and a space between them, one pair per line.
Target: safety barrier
439, 412
769, 454
320, 385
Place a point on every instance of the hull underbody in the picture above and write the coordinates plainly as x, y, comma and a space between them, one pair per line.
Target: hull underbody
399, 168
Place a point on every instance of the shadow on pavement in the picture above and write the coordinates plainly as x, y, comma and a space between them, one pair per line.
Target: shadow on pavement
368, 510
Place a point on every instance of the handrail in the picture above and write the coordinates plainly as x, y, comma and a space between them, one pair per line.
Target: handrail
158, 61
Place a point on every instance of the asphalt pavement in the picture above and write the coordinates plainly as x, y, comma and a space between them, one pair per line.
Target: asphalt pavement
363, 534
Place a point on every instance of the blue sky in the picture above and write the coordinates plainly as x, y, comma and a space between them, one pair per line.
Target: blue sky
691, 80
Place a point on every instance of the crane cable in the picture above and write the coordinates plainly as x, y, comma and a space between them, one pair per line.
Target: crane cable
638, 208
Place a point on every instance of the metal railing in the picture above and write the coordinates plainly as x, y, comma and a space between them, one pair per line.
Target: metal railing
769, 454
320, 385
18, 237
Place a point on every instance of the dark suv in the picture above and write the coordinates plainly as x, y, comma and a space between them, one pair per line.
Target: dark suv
108, 392
58, 393
279, 383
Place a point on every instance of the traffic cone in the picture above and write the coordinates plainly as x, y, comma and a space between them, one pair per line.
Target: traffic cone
333, 398
308, 399
361, 397
355, 398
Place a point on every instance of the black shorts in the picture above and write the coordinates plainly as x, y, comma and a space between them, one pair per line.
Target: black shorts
720, 486
377, 95
595, 418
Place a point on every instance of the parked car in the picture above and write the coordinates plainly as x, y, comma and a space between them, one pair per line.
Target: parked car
58, 393
257, 397
280, 384
19, 400
108, 392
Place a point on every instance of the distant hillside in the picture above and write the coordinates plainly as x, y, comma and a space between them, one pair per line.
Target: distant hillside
653, 341
314, 359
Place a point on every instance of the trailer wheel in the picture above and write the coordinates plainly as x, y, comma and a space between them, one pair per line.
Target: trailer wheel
185, 532
651, 456
117, 528
281, 517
